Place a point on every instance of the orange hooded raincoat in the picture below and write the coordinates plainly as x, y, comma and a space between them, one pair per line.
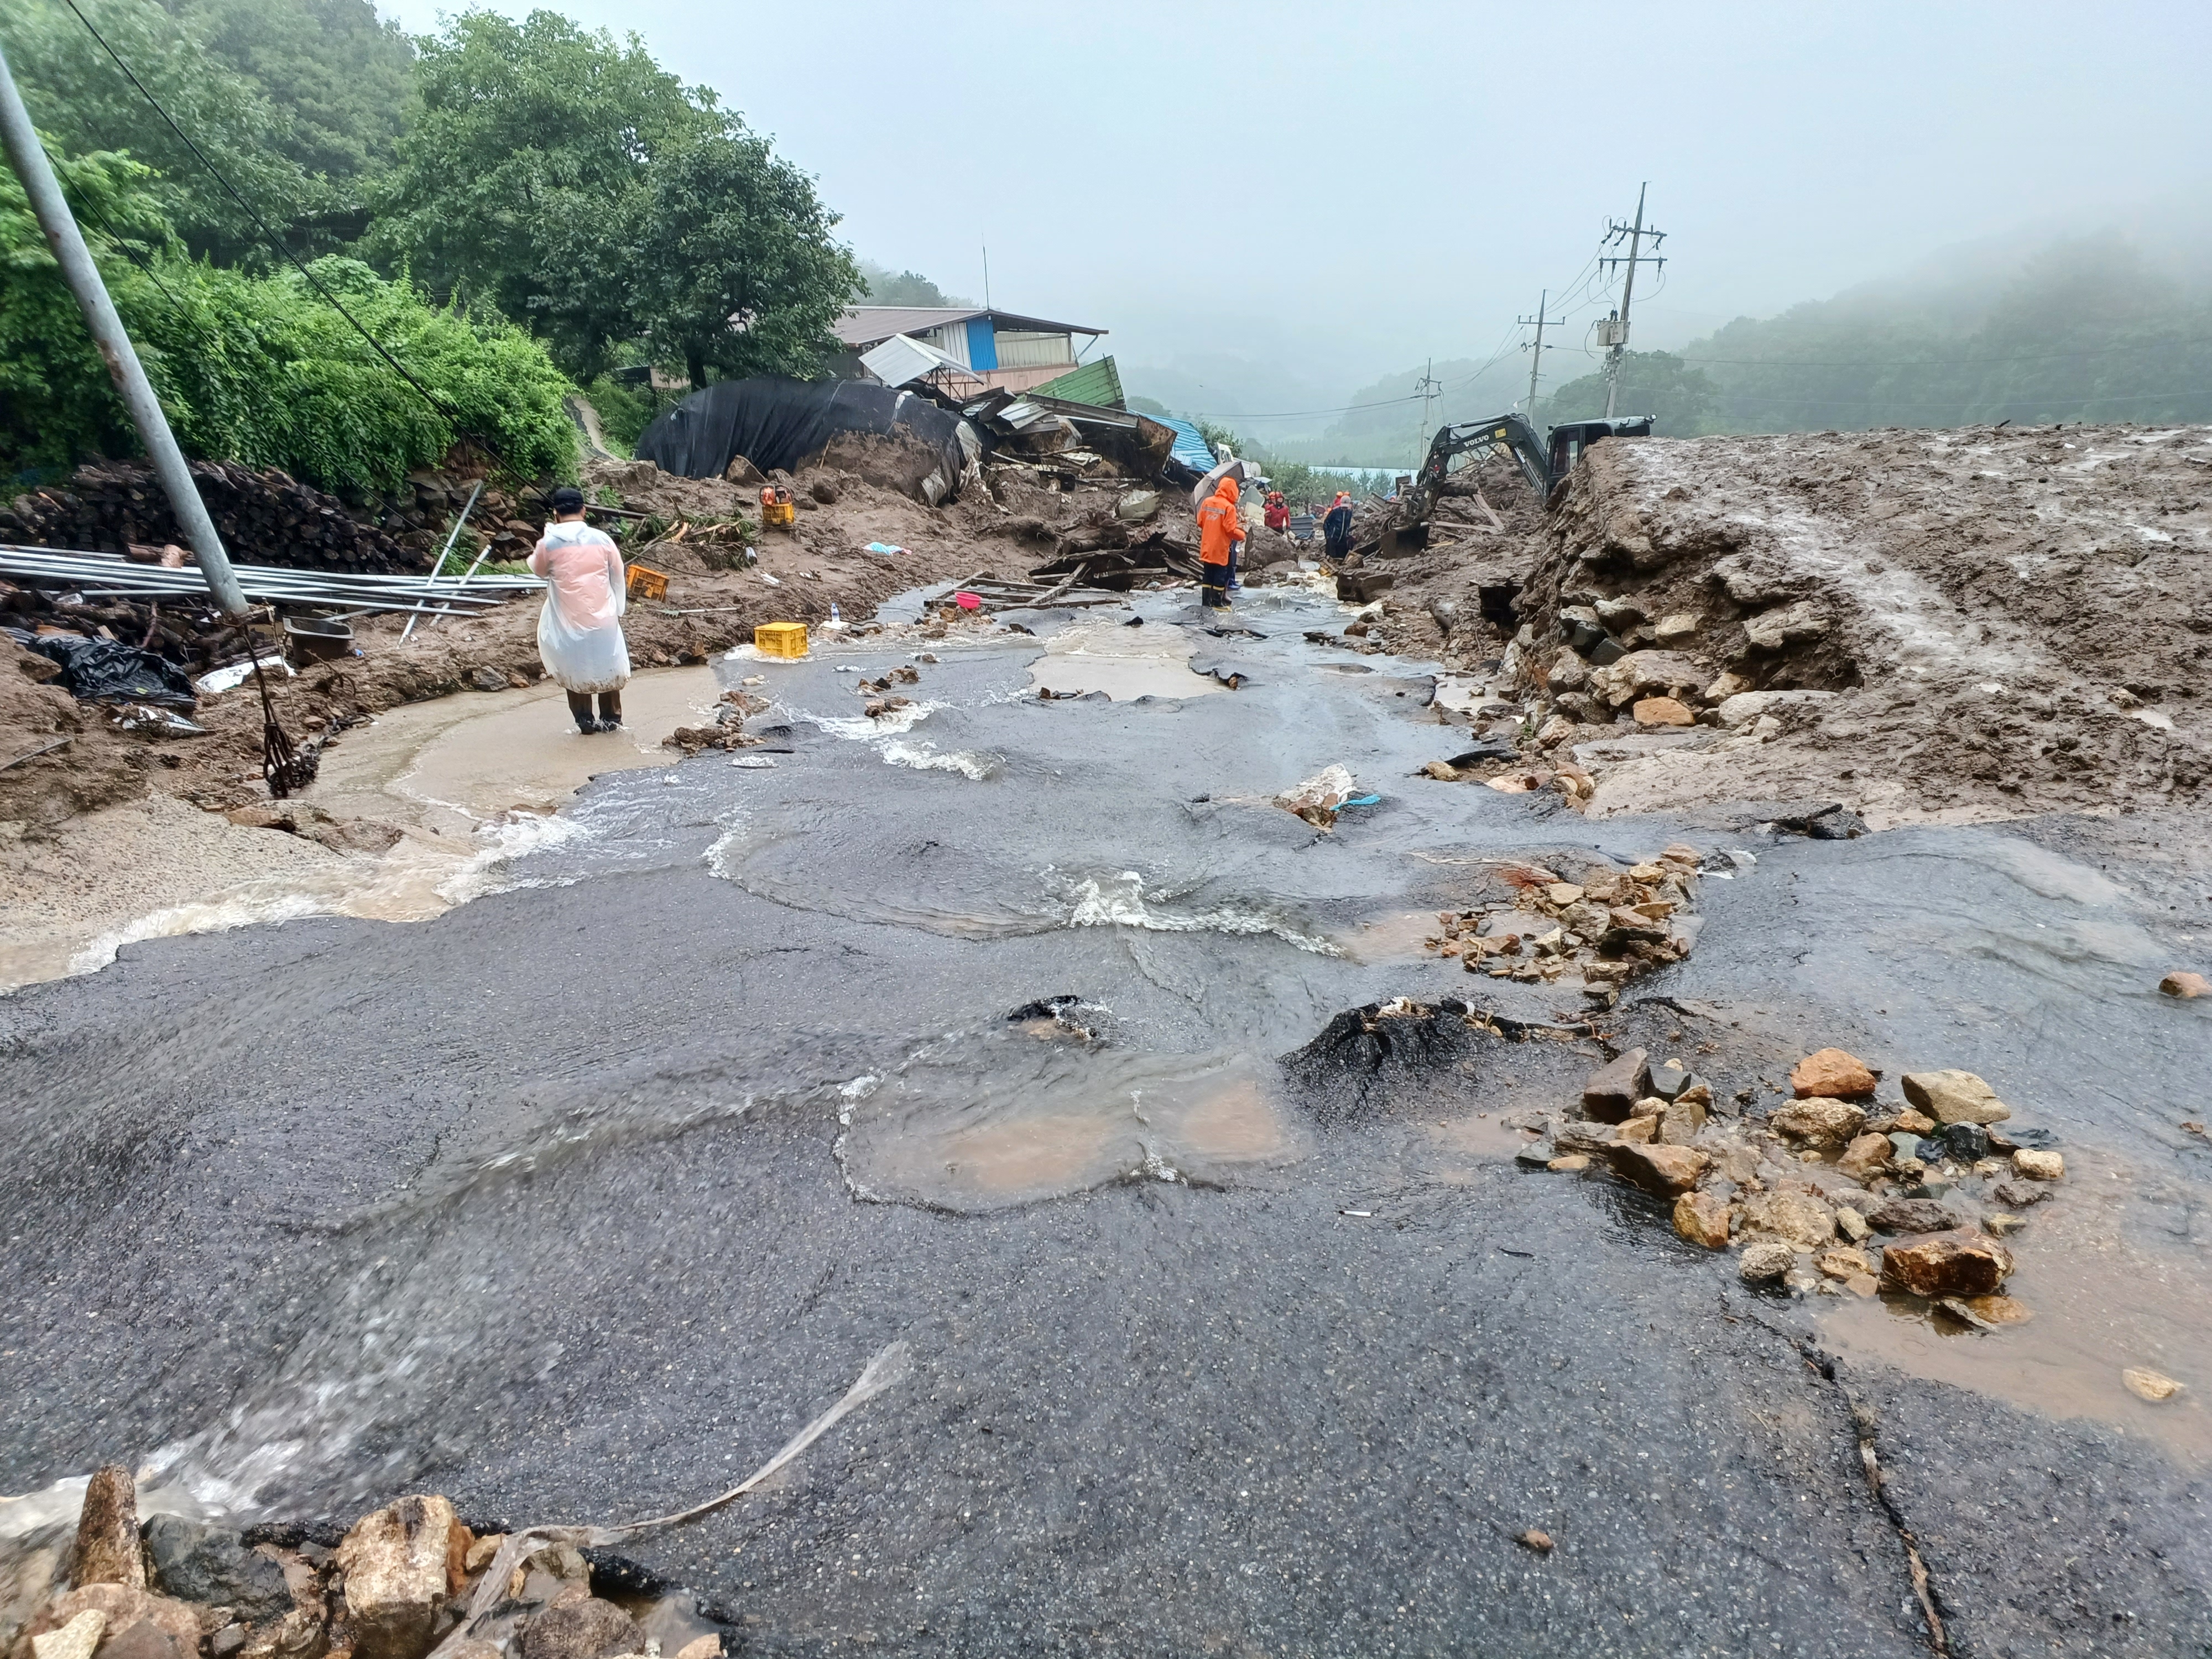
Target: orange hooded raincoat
1219, 526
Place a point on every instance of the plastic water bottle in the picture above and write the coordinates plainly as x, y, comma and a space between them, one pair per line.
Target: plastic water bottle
835, 615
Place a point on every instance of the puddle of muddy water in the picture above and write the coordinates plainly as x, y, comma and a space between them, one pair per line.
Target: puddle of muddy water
1040, 1109
1123, 662
475, 781
2101, 1303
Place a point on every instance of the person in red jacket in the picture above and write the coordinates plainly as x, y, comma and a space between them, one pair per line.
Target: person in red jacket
1278, 513
1219, 534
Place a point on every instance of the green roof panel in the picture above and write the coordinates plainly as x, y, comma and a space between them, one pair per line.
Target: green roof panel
1097, 384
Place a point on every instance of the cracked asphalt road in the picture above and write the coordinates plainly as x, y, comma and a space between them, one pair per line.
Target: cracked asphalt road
541, 1205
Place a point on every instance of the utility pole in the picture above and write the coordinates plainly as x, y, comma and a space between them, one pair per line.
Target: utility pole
1428, 386
1536, 352
1616, 327
28, 157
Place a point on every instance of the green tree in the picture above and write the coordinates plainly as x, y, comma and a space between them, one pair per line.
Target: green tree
734, 268
77, 94
1655, 383
903, 288
595, 199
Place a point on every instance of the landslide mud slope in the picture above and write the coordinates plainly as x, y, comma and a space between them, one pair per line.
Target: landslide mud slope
2007, 621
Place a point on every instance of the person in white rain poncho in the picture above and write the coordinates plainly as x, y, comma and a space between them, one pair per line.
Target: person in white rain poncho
580, 636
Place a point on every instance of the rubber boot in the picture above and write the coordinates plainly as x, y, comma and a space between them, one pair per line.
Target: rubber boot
609, 711
579, 705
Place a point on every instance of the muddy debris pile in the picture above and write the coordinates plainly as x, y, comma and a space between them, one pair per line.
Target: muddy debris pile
1964, 624
398, 1584
1588, 925
1835, 1192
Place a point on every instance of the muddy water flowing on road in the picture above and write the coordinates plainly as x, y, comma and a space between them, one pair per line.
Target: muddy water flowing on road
930, 996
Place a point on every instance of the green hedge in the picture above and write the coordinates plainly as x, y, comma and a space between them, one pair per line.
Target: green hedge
257, 370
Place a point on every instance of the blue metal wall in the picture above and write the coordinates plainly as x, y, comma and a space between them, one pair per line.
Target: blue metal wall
983, 345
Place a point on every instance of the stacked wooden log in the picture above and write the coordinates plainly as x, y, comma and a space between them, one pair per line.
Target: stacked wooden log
263, 518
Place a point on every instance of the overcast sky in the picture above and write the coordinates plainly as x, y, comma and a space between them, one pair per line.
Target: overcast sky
1340, 191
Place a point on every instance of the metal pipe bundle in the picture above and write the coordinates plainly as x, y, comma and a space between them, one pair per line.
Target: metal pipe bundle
112, 576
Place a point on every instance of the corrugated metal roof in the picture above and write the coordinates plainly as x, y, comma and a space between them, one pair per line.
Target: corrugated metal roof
1098, 384
903, 358
1190, 446
864, 325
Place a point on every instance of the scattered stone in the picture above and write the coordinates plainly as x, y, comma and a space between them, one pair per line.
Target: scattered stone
1936, 1265
122, 1605
75, 1640
1968, 1142
1819, 1119
2039, 1166
1537, 1540
1954, 1097
1965, 1316
1769, 1258
1675, 627
1682, 1122
703, 1647
1903, 1146
145, 1640
226, 1642
2153, 1386
2001, 1225
299, 1634
1570, 1164
1611, 1091
1798, 1217
480, 1553
1442, 771
1650, 1106
1663, 1171
397, 1563
1862, 1285
1639, 1131
1591, 1137
1536, 1155
2019, 1194
197, 1563
586, 1628
1703, 1218
2186, 985
1851, 1224
1866, 1155
1663, 711
1841, 1263
1911, 1123
1832, 1074
106, 1549
1667, 1082
1914, 1215
1998, 1309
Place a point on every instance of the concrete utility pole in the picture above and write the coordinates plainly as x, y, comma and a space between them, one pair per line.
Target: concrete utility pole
1617, 328
28, 157
1536, 352
1428, 386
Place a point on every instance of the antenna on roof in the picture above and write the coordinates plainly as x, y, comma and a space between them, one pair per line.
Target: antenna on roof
986, 275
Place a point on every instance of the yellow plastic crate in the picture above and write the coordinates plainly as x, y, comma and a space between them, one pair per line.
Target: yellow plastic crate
644, 583
781, 638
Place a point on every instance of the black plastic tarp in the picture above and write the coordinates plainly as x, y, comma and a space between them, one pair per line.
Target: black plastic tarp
778, 424
105, 671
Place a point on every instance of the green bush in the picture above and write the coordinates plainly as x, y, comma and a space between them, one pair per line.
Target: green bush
258, 369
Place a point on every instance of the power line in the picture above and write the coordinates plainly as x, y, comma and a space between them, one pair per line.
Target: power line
1944, 362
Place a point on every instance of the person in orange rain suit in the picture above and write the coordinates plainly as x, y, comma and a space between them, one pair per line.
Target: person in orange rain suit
1219, 532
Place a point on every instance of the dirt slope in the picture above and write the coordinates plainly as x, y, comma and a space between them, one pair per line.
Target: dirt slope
2004, 621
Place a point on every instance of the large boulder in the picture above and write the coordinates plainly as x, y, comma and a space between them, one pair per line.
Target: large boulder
1663, 1171
400, 1564
1954, 1097
1819, 1122
1831, 1074
106, 1548
1648, 674
1611, 1091
1961, 1263
197, 1563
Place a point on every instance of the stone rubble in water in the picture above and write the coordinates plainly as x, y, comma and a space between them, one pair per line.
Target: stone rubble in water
391, 1588
1954, 1097
2145, 1384
1831, 1073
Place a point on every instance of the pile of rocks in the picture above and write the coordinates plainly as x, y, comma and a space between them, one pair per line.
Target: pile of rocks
1596, 927
395, 1586
1804, 1195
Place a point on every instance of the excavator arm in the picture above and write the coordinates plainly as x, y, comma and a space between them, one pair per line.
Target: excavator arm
1500, 435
